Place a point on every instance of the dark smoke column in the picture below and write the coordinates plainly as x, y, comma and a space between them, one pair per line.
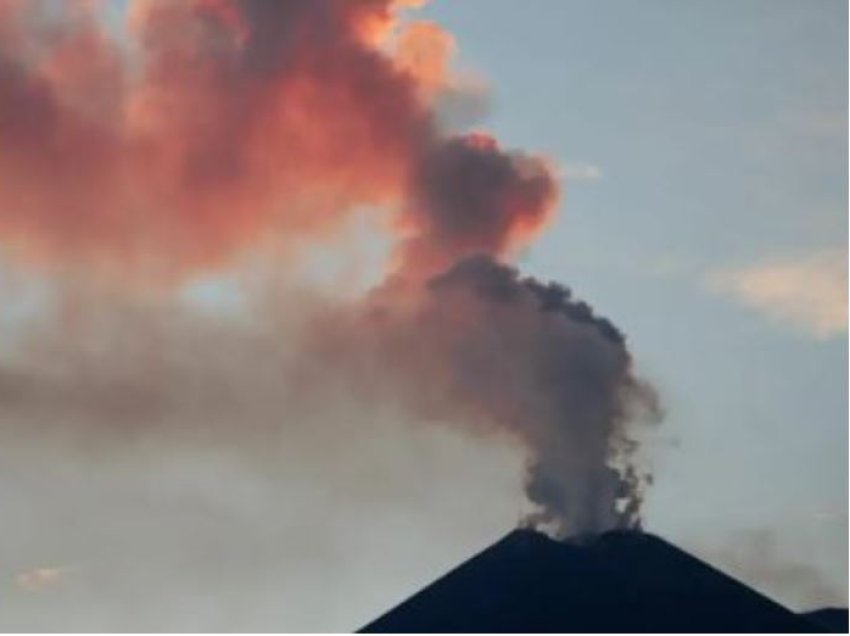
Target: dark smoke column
534, 363
523, 356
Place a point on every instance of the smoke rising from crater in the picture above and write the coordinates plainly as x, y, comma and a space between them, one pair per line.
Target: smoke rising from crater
228, 127
482, 348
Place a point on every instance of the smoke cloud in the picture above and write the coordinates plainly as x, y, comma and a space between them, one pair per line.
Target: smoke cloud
228, 121
226, 128
480, 347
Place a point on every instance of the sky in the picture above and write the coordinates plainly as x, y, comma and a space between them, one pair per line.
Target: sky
702, 147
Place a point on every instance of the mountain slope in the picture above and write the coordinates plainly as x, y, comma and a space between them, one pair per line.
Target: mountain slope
617, 582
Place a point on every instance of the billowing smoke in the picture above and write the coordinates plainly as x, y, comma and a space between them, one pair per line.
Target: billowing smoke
221, 128
471, 197
481, 347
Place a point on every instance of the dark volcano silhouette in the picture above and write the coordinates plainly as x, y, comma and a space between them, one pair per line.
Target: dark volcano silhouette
832, 619
616, 582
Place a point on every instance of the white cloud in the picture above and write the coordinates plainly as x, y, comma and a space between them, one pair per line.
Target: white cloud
581, 172
809, 292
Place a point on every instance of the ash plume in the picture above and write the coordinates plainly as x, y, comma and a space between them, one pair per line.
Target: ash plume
482, 348
229, 127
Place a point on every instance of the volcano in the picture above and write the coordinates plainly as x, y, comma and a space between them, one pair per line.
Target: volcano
615, 582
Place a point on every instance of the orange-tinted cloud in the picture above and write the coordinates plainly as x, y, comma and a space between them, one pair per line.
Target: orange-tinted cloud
227, 121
